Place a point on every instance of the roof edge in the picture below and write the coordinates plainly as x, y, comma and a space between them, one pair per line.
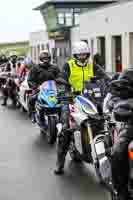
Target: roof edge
56, 2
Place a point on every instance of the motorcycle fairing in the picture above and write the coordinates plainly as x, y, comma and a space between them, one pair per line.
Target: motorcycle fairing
48, 93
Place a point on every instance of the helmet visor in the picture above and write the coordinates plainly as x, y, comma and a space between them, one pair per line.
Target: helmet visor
44, 58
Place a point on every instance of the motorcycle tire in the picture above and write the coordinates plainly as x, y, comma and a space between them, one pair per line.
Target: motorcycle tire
52, 130
75, 154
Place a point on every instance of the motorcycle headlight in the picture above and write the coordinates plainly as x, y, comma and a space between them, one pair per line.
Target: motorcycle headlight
52, 99
88, 109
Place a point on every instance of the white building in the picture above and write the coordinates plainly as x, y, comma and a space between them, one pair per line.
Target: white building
38, 42
109, 30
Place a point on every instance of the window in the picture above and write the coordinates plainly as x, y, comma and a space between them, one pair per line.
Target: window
68, 19
77, 10
61, 18
76, 18
64, 10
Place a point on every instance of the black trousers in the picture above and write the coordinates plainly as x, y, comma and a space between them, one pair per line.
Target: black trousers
64, 138
9, 92
32, 110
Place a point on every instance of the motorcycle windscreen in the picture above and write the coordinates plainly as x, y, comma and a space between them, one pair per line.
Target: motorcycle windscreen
48, 92
87, 106
49, 87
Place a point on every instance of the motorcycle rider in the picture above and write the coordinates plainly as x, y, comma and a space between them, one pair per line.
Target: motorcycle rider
8, 90
24, 68
38, 74
76, 70
3, 59
122, 103
3, 62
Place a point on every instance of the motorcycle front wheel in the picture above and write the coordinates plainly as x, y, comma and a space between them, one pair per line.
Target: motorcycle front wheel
74, 153
82, 153
52, 130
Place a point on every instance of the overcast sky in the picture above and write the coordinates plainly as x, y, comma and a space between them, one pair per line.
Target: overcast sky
17, 19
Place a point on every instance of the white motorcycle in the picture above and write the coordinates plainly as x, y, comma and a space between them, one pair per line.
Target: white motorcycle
91, 133
23, 95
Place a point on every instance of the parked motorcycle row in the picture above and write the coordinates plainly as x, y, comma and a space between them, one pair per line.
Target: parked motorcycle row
94, 128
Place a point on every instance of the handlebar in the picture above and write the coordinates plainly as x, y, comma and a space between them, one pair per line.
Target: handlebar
62, 82
66, 98
103, 71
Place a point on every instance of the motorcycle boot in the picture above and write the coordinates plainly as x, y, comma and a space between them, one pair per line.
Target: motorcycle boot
31, 109
63, 143
4, 103
33, 118
5, 96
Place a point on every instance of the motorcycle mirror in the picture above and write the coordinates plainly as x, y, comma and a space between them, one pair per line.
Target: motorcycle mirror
94, 78
117, 83
62, 82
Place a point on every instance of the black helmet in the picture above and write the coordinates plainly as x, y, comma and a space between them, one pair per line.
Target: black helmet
44, 56
3, 58
125, 84
115, 76
123, 112
127, 74
13, 58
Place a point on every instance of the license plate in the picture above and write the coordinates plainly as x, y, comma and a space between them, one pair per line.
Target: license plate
100, 149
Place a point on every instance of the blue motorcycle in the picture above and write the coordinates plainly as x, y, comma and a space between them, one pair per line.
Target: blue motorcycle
48, 110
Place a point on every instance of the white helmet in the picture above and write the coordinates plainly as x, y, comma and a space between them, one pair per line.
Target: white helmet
80, 47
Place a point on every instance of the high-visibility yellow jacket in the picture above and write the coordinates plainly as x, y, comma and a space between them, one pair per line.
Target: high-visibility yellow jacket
79, 74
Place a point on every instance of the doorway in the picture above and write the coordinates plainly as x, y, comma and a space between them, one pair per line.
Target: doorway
117, 53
